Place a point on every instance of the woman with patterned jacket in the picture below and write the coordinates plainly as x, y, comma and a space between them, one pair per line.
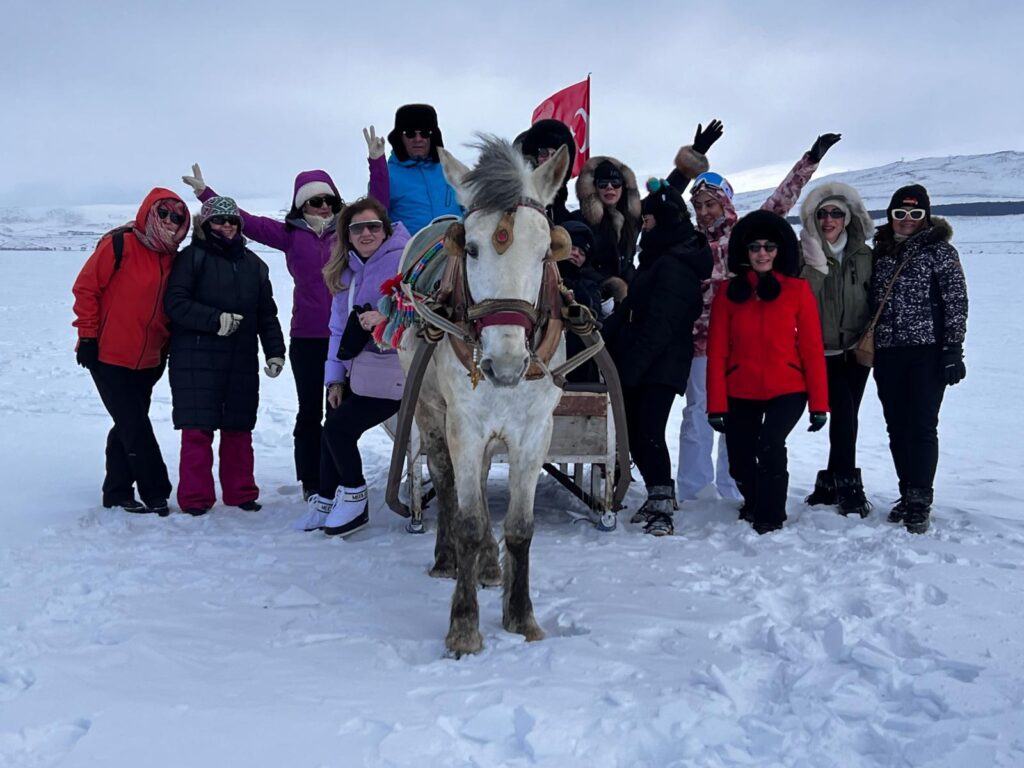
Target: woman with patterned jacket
918, 342
305, 236
838, 265
766, 363
711, 196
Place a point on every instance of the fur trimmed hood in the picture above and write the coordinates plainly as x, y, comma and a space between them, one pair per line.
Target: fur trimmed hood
860, 229
593, 209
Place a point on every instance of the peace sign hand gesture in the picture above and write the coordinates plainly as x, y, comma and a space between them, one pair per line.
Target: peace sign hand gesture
374, 143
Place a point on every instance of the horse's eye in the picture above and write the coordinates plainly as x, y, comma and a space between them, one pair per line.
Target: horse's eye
472, 250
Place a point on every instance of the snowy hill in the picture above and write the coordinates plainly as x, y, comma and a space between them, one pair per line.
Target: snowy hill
957, 179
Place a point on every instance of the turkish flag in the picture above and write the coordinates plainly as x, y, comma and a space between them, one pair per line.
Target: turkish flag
572, 106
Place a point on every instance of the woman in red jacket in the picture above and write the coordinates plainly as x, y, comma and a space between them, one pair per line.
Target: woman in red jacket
766, 361
122, 341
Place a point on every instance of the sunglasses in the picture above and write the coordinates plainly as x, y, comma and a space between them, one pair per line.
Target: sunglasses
321, 200
546, 153
421, 134
711, 180
914, 214
609, 184
766, 247
176, 218
833, 213
220, 221
358, 227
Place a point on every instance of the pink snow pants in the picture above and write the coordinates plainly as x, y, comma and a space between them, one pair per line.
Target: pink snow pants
195, 474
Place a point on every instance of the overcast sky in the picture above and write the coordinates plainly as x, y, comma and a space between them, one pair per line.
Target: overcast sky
104, 100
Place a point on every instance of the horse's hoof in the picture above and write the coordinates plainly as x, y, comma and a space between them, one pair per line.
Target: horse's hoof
529, 629
490, 576
443, 571
459, 644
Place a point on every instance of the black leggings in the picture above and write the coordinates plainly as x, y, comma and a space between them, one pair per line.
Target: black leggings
307, 362
133, 454
846, 381
755, 437
342, 464
647, 410
911, 387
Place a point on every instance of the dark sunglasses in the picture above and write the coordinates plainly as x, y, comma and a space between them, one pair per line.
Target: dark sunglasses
609, 184
220, 221
914, 214
176, 218
834, 213
414, 133
358, 227
766, 247
321, 200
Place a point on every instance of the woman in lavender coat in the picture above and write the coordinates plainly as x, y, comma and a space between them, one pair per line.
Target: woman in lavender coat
306, 236
364, 384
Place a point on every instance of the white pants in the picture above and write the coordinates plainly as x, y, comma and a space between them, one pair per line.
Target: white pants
696, 443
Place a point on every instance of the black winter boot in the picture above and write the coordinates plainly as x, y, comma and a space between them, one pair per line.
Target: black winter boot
770, 512
850, 495
746, 490
655, 493
918, 509
824, 489
898, 511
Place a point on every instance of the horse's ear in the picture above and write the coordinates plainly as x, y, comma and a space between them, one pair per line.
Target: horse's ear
454, 172
548, 178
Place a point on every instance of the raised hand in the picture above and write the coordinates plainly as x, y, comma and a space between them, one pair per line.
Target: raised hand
374, 143
823, 144
703, 139
195, 180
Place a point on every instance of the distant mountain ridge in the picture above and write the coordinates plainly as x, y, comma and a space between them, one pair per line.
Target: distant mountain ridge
996, 177
958, 179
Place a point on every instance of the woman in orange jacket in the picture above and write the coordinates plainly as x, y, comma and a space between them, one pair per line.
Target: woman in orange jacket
766, 362
122, 341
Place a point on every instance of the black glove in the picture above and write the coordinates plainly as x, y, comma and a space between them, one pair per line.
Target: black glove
953, 368
823, 144
354, 338
818, 419
88, 353
703, 139
717, 422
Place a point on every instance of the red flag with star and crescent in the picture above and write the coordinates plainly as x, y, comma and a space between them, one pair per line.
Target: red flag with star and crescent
571, 106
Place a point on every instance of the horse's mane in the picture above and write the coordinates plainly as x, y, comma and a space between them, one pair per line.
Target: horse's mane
498, 181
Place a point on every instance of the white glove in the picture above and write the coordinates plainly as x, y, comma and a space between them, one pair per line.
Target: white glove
374, 143
607, 306
195, 180
228, 323
274, 366
813, 253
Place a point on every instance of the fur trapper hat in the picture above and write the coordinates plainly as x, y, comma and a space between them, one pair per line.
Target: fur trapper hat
415, 117
551, 134
764, 225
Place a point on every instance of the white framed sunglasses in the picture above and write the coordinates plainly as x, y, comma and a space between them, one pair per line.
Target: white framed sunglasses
914, 214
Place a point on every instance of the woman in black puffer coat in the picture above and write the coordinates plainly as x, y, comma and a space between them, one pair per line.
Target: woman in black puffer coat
651, 340
220, 302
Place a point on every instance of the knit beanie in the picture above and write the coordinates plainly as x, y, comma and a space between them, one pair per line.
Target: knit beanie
911, 196
664, 202
581, 235
219, 206
311, 184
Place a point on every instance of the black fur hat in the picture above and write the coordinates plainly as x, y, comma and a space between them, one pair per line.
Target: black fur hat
761, 225
551, 134
415, 117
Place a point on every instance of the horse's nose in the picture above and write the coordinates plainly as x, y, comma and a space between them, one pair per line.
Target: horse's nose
504, 375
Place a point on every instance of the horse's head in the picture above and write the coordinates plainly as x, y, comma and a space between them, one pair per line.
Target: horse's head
508, 237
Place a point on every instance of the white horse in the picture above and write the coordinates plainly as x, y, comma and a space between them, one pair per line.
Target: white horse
464, 418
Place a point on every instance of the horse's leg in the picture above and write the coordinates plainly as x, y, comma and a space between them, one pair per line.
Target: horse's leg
469, 526
490, 568
517, 608
439, 461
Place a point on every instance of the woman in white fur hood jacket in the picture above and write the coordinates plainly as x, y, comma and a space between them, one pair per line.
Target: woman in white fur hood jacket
838, 263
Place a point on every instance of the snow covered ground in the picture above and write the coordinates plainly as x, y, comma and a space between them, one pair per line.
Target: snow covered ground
231, 640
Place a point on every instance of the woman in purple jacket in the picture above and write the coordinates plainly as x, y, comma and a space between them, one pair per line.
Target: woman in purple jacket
306, 237
364, 384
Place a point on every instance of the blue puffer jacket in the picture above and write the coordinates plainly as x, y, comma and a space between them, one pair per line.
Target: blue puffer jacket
419, 193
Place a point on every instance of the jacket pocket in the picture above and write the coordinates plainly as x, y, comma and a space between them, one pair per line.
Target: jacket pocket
729, 371
796, 368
